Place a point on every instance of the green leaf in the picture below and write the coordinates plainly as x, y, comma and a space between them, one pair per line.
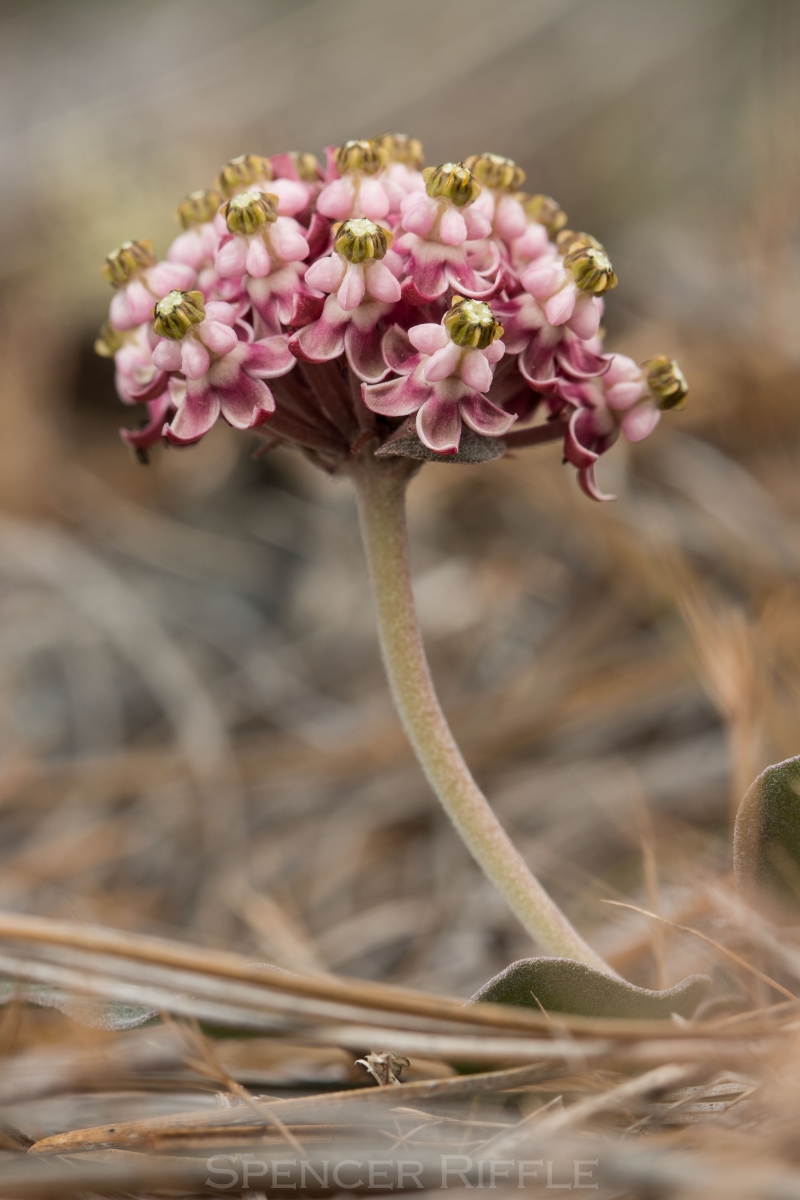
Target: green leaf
561, 985
766, 840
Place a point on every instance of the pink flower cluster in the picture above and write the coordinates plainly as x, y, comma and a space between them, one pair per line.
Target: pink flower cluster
386, 304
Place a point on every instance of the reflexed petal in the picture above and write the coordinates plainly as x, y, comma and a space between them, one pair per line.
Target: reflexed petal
429, 337
318, 236
231, 258
442, 363
268, 358
150, 432
439, 425
373, 199
322, 340
336, 200
258, 261
398, 352
351, 292
195, 359
639, 422
426, 267
588, 484
381, 283
475, 371
396, 397
484, 417
452, 227
326, 274
588, 436
305, 309
217, 337
363, 349
246, 402
195, 416
167, 355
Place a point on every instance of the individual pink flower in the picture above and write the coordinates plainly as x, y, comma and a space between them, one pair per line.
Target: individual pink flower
620, 401
444, 383
499, 178
353, 189
209, 370
254, 173
566, 287
361, 277
140, 281
436, 227
549, 353
403, 174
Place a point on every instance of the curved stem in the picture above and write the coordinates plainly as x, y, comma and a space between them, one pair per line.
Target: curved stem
380, 487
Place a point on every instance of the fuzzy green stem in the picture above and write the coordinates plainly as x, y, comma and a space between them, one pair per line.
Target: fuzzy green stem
380, 488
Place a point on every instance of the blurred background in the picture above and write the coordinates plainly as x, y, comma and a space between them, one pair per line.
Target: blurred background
195, 735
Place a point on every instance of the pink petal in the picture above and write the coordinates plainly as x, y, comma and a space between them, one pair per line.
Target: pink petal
318, 236
484, 417
336, 200
245, 402
585, 319
258, 262
195, 417
428, 337
167, 355
559, 308
475, 371
638, 423
217, 337
419, 214
398, 352
494, 352
588, 484
452, 227
187, 248
351, 292
373, 199
439, 425
169, 276
363, 349
510, 220
132, 306
195, 358
323, 339
326, 274
221, 311
542, 279
150, 432
621, 368
231, 258
287, 241
442, 363
396, 397
268, 358
381, 283
532, 244
621, 396
292, 196
305, 309
394, 262
476, 223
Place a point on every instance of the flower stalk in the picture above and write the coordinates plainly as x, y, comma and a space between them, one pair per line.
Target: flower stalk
380, 489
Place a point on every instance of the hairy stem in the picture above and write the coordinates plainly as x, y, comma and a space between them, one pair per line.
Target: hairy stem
380, 487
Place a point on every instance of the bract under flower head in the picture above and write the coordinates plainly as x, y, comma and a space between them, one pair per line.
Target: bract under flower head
402, 149
667, 382
242, 172
177, 313
495, 172
127, 261
471, 323
363, 155
250, 211
360, 239
451, 181
199, 207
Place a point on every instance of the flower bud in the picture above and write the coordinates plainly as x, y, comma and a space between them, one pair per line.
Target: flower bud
248, 211
199, 208
546, 211
402, 149
472, 323
364, 155
590, 265
241, 173
453, 182
109, 340
360, 239
666, 381
126, 261
495, 172
177, 313
306, 165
